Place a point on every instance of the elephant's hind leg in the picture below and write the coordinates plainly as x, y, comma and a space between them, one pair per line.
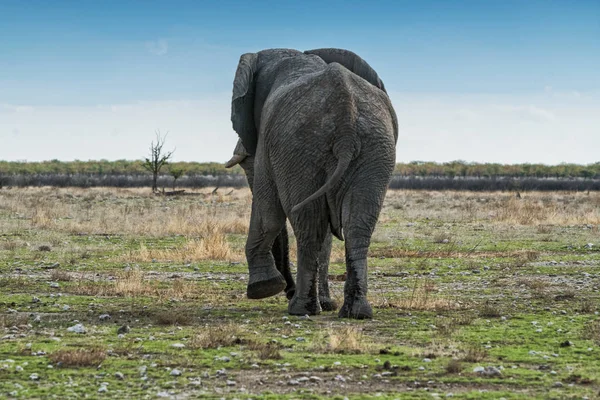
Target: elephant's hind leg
327, 303
362, 205
266, 224
281, 252
310, 232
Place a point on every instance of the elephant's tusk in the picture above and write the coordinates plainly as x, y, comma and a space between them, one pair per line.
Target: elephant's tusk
235, 160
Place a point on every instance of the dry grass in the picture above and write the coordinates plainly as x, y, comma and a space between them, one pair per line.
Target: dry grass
454, 367
345, 340
128, 211
213, 246
474, 354
85, 357
133, 283
60, 276
592, 331
265, 351
420, 298
215, 336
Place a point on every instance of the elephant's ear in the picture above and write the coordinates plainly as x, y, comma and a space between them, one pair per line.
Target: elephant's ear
352, 62
242, 102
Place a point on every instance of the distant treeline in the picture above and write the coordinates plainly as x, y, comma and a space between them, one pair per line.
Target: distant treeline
455, 175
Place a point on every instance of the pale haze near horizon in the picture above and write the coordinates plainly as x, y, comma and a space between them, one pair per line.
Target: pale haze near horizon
495, 100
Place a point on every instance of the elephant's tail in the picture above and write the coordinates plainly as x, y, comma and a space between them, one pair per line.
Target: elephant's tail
343, 162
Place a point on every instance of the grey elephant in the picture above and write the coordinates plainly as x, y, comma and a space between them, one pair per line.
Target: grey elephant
322, 132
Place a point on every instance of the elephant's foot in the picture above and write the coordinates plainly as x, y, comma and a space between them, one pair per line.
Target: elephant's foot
358, 308
304, 306
265, 283
328, 304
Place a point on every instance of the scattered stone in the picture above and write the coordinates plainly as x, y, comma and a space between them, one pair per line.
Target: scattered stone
102, 389
54, 285
178, 345
143, 369
104, 317
35, 300
34, 377
566, 343
230, 383
293, 382
175, 372
558, 384
18, 368
340, 378
589, 245
487, 371
66, 308
315, 379
78, 328
123, 329
300, 339
427, 360
119, 376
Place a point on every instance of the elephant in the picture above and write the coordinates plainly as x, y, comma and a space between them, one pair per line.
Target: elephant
323, 133
280, 249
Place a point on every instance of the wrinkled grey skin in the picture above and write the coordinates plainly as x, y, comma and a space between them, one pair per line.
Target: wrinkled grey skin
280, 249
322, 132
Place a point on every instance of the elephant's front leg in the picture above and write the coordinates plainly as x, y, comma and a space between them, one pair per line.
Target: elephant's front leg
264, 278
327, 303
306, 300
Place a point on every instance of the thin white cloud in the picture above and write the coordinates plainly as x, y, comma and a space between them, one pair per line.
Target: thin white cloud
532, 113
158, 47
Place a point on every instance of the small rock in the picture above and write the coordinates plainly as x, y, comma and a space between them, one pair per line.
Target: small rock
54, 285
102, 389
104, 317
34, 377
300, 339
178, 345
66, 308
123, 329
18, 368
558, 384
315, 379
340, 378
230, 383
175, 372
78, 328
35, 300
427, 360
293, 382
478, 370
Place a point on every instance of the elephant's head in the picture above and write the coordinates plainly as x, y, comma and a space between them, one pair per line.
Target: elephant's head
259, 73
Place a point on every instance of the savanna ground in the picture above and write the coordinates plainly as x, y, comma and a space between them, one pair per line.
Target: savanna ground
475, 295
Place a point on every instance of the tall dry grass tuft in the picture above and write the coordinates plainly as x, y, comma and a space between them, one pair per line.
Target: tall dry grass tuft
420, 298
88, 357
133, 283
346, 340
213, 247
215, 336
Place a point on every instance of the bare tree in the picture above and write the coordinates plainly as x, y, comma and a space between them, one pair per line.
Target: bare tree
157, 158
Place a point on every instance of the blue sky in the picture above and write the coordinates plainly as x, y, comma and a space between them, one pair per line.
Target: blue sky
506, 81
